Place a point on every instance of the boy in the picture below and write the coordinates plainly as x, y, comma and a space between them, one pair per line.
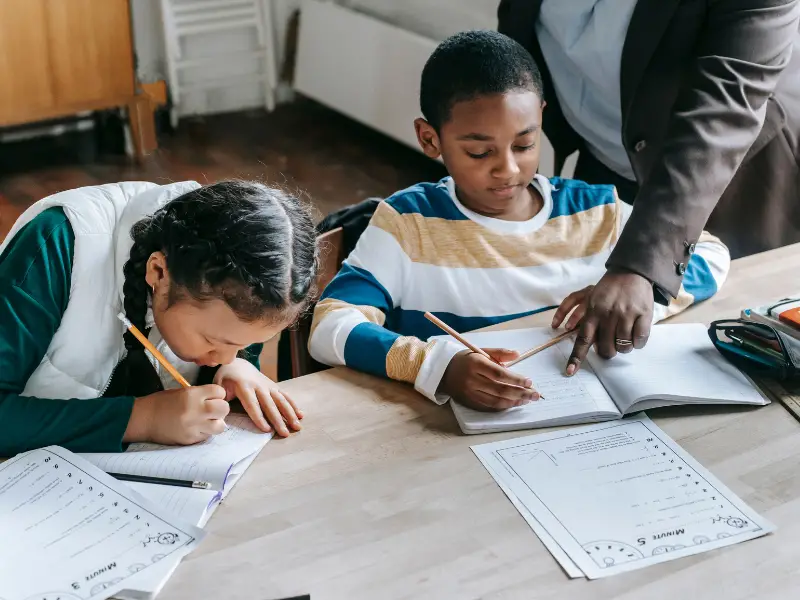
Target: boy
494, 241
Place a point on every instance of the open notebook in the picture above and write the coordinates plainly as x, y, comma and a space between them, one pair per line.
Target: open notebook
221, 460
679, 365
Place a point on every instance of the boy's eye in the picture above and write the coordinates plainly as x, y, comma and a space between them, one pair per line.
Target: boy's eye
481, 155
526, 148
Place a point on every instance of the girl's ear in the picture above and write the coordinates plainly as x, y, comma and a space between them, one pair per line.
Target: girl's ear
156, 273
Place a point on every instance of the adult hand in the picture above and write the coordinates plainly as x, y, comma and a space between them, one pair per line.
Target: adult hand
617, 317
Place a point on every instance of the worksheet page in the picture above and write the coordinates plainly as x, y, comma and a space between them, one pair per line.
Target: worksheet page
620, 496
578, 399
211, 461
679, 365
74, 533
192, 506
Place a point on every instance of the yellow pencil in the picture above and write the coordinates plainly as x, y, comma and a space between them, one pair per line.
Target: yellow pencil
152, 349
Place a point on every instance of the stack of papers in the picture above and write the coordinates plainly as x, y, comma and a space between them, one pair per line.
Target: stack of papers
614, 497
221, 460
72, 532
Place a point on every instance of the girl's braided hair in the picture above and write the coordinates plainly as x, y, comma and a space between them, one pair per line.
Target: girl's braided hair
242, 242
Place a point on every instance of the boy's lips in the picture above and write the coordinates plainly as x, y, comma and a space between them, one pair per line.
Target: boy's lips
504, 191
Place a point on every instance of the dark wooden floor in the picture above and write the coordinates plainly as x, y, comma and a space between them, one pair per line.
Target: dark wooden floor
335, 160
302, 145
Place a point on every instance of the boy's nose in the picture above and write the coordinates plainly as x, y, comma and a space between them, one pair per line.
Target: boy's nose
507, 167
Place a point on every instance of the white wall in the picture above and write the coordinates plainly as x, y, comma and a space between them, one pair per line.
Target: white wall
149, 45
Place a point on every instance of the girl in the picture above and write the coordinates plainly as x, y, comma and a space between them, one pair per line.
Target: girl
207, 273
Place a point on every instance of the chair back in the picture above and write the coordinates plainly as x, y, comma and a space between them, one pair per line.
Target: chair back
331, 247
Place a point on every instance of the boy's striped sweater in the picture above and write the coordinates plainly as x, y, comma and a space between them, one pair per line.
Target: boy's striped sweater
425, 251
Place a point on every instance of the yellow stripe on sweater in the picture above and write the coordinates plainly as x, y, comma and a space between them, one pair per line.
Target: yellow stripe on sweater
467, 244
681, 302
329, 305
405, 358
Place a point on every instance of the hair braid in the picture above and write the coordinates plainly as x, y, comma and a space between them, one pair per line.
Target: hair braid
135, 375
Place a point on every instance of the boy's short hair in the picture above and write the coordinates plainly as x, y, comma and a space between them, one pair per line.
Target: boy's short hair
472, 64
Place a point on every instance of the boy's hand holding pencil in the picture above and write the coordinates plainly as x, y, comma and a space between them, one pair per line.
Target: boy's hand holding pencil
484, 383
479, 378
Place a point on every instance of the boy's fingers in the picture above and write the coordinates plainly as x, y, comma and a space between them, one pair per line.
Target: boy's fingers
494, 371
508, 392
487, 402
583, 342
494, 403
501, 354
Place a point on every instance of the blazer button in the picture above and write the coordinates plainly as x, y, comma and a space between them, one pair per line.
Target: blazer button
690, 248
640, 145
680, 269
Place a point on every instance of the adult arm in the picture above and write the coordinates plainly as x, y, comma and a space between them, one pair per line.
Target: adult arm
718, 114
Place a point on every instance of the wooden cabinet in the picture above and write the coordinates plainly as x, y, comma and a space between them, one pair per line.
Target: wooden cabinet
61, 57
26, 87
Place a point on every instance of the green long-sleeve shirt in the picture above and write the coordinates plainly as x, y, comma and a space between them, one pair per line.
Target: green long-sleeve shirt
35, 279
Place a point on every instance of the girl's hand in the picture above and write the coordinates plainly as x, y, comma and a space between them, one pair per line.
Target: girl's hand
178, 417
268, 407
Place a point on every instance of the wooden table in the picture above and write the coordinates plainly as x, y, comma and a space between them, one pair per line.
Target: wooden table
381, 498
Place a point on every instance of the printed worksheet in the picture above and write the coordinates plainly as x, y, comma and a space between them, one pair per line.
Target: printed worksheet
565, 400
619, 496
72, 532
192, 506
216, 460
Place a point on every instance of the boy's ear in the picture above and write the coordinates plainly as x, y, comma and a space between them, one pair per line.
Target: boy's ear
428, 138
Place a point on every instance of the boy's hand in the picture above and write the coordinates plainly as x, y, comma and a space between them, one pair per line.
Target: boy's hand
616, 317
484, 385
267, 406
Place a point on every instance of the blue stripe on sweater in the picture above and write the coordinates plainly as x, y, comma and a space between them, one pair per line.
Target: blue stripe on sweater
367, 346
571, 196
698, 279
358, 286
414, 323
431, 200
